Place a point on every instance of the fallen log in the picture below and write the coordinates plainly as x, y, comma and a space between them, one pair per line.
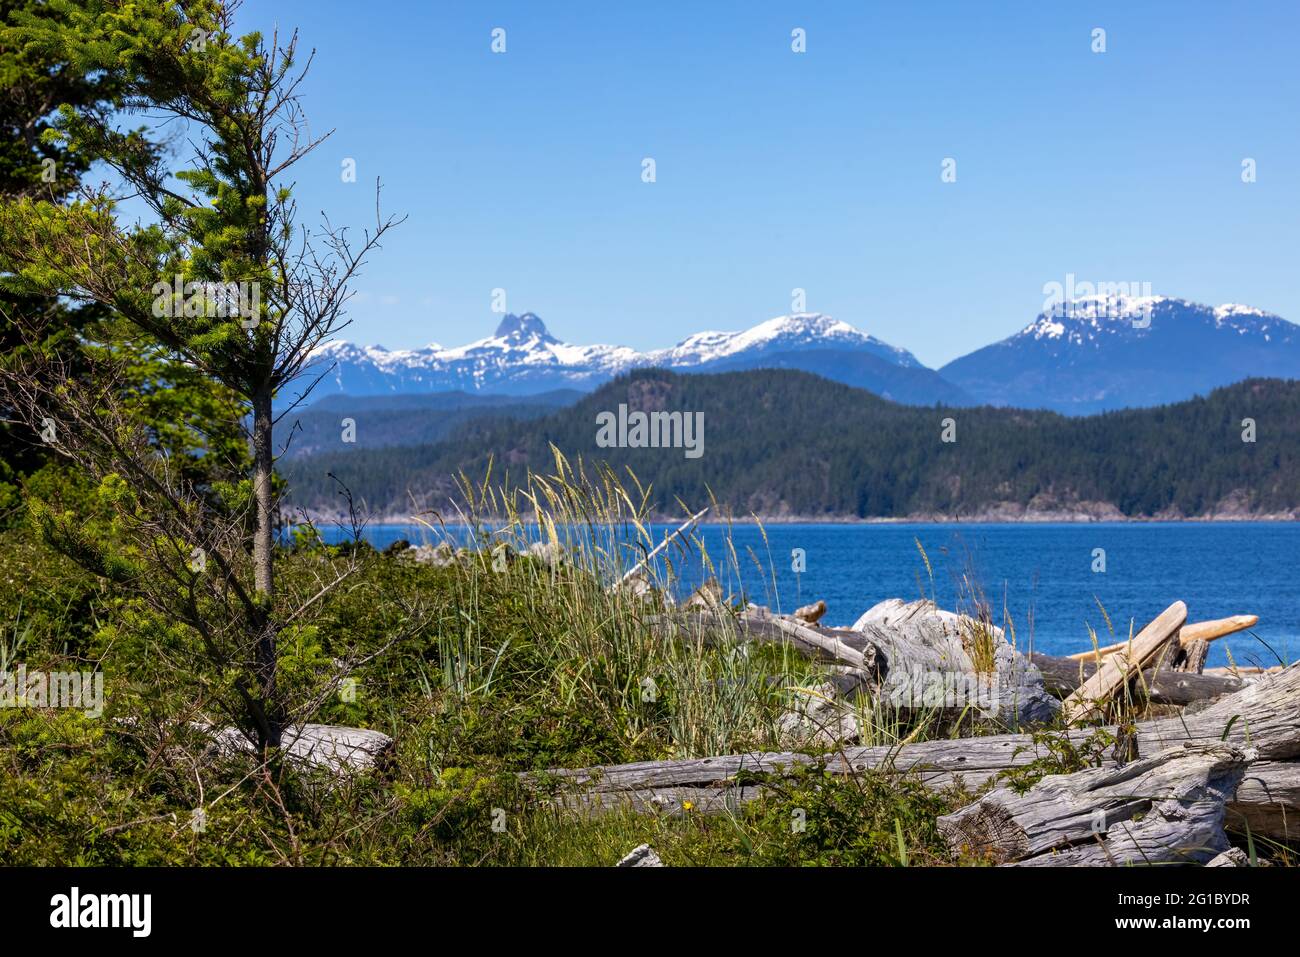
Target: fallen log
1060, 675
1161, 686
1090, 698
1265, 716
1196, 631
333, 748
644, 563
756, 621
719, 626
1192, 656
1239, 670
1168, 808
913, 655
1267, 802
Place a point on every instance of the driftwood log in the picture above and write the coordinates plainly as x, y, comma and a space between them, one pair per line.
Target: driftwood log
1091, 698
906, 636
1267, 802
1264, 716
1159, 685
1193, 656
333, 748
1165, 809
1196, 631
912, 655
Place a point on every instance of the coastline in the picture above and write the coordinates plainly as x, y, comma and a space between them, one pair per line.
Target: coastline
992, 516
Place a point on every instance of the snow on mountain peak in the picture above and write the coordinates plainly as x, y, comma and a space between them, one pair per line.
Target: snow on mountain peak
1231, 310
522, 349
1077, 319
1090, 318
805, 330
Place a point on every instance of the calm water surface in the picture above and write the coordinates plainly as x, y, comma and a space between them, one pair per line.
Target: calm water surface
1041, 573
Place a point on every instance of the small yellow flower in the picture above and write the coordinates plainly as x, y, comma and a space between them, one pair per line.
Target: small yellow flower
687, 805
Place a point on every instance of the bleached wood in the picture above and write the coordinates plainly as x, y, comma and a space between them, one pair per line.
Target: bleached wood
1267, 802
1193, 657
1168, 808
1196, 631
830, 644
334, 748
1116, 669
914, 656
1161, 686
643, 563
1264, 715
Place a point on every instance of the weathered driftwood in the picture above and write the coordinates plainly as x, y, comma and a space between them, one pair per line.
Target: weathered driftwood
811, 614
1115, 671
829, 644
914, 655
1239, 671
1232, 857
1264, 715
644, 563
1267, 803
1059, 675
1160, 685
1168, 808
331, 747
643, 855
928, 656
1195, 631
1192, 657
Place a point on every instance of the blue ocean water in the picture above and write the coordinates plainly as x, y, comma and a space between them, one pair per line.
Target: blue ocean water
1041, 574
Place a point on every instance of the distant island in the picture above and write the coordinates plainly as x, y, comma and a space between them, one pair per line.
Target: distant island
786, 445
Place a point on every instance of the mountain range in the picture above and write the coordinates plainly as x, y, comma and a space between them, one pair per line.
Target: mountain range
1089, 355
1115, 352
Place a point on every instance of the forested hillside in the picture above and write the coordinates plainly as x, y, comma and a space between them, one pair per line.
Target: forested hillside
407, 419
788, 443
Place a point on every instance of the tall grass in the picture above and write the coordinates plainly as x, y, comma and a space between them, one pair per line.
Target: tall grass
584, 641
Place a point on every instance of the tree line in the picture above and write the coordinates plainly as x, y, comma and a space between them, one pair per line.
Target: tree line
782, 442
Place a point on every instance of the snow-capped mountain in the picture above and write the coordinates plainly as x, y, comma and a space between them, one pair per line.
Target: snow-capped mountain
1110, 352
522, 358
1087, 355
782, 334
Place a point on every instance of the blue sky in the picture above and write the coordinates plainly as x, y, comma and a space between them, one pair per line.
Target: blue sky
821, 170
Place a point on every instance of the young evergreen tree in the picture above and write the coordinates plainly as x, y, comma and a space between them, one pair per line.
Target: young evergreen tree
219, 280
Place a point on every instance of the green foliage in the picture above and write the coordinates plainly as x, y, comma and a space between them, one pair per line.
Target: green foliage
870, 820
1057, 753
829, 450
32, 86
179, 58
514, 667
